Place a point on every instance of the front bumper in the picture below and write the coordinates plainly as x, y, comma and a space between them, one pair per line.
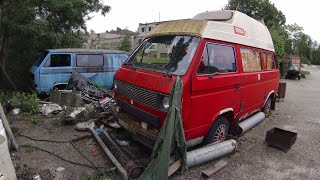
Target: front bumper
146, 136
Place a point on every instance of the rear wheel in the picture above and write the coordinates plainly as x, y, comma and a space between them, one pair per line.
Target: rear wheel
218, 131
267, 107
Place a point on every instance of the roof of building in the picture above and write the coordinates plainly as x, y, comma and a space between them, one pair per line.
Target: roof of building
122, 32
79, 50
224, 25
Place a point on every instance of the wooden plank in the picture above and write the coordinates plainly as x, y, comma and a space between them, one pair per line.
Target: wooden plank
8, 129
121, 170
174, 167
216, 167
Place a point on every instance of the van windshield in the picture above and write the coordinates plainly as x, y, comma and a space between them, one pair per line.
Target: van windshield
168, 54
40, 58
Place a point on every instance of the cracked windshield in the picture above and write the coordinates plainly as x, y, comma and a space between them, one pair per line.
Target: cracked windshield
168, 54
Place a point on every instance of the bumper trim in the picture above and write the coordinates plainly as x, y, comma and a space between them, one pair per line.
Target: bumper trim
132, 125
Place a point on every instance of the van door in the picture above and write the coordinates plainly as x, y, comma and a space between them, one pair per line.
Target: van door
100, 68
56, 70
215, 87
252, 89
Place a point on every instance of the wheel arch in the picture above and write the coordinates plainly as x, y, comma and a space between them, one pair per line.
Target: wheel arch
271, 94
57, 85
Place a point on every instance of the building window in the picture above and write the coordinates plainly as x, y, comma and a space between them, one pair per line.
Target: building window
85, 60
251, 60
142, 29
58, 60
150, 28
217, 59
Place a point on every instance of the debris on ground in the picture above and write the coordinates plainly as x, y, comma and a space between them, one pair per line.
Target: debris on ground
84, 126
15, 111
47, 109
216, 167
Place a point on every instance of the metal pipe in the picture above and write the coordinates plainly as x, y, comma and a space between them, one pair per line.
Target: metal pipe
210, 152
251, 122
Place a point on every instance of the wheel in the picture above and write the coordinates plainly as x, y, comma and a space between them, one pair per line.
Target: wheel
218, 131
267, 107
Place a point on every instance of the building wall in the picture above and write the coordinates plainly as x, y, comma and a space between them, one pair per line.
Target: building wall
112, 39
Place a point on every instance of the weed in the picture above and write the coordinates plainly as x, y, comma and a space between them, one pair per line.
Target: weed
92, 177
50, 130
29, 148
35, 120
26, 102
305, 72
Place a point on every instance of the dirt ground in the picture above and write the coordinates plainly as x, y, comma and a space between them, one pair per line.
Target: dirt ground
299, 112
30, 161
254, 160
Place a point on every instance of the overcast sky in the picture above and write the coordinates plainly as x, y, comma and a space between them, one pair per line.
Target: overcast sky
128, 13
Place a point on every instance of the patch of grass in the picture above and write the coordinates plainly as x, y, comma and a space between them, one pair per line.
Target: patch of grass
50, 130
92, 177
26, 102
29, 148
36, 120
305, 72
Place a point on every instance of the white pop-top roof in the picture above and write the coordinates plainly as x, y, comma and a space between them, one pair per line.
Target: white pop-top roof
234, 26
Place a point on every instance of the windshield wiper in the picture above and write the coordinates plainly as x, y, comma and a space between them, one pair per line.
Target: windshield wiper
167, 73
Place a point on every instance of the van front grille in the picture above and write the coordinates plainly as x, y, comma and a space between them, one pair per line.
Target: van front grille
140, 95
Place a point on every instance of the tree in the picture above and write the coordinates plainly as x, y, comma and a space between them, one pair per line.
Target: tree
125, 44
28, 27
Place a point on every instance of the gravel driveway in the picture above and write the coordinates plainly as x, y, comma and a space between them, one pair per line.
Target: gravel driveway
300, 113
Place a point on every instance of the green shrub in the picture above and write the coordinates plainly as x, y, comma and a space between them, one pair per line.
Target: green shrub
26, 102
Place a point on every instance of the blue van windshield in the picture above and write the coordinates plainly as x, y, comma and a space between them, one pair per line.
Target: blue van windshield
40, 58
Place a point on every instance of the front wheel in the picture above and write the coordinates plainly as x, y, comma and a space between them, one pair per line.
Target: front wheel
218, 131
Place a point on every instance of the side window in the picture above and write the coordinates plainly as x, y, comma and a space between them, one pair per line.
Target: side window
251, 60
269, 62
58, 60
85, 60
115, 60
217, 59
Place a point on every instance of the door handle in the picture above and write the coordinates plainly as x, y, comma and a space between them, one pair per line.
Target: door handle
237, 86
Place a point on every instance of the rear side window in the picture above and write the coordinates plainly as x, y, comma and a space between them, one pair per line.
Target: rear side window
115, 60
251, 60
58, 60
269, 61
85, 60
217, 59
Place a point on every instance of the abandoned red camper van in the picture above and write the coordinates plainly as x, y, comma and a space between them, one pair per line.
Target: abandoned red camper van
226, 61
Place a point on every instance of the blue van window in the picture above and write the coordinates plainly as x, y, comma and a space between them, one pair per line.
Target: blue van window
84, 60
115, 60
58, 60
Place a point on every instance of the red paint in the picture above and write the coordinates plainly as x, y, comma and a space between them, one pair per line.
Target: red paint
204, 98
238, 30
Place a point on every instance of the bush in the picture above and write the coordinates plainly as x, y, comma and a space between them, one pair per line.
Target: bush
26, 102
305, 60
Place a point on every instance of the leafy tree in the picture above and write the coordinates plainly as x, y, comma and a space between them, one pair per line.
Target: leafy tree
125, 44
28, 27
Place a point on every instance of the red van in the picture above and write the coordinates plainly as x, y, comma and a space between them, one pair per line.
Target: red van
226, 61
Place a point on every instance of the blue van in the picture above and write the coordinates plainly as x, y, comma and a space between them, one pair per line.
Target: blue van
54, 68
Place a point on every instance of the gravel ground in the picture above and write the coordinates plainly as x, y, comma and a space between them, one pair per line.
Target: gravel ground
30, 161
254, 160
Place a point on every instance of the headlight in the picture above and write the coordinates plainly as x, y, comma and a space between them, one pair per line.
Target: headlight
165, 102
115, 85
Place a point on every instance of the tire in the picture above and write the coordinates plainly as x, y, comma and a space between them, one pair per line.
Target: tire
267, 107
218, 131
